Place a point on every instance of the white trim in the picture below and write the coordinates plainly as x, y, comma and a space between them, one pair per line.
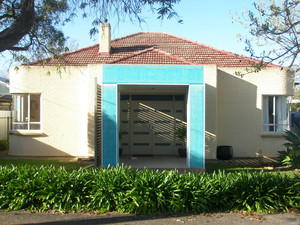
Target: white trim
28, 110
274, 112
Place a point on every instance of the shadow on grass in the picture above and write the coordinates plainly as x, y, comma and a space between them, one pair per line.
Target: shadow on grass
210, 168
38, 163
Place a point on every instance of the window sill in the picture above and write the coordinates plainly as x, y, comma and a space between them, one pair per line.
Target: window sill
272, 135
27, 132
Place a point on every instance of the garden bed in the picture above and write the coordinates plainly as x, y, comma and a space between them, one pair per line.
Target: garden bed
126, 190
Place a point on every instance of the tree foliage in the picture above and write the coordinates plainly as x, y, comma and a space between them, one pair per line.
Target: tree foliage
36, 25
275, 24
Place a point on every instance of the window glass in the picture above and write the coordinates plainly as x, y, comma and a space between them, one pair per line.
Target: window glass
34, 108
275, 113
27, 112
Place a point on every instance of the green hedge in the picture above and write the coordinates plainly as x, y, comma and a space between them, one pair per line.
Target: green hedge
145, 191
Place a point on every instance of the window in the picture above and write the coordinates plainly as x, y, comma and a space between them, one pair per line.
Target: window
27, 112
275, 113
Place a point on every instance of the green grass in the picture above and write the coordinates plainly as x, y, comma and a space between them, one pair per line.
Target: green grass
211, 168
39, 163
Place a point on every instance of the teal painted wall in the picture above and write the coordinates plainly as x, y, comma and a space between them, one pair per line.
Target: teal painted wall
114, 75
109, 125
152, 74
196, 124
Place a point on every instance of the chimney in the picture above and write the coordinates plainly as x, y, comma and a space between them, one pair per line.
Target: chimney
105, 36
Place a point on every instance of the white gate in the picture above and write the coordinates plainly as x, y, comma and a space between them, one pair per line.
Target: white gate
4, 124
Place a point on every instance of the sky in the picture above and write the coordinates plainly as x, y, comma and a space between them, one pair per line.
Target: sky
207, 22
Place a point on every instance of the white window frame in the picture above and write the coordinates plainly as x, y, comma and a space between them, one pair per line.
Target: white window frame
17, 123
280, 116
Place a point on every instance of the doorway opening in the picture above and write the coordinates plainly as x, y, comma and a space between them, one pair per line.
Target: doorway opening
148, 118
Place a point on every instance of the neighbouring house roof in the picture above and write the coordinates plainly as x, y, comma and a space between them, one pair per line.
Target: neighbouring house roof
4, 86
152, 48
4, 80
5, 102
5, 98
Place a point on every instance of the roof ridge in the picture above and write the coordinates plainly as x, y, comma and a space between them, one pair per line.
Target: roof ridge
154, 50
174, 56
131, 55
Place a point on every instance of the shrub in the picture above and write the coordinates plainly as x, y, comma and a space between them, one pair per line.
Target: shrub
291, 157
4, 145
145, 191
264, 192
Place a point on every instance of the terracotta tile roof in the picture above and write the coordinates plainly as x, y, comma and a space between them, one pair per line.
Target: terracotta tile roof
152, 48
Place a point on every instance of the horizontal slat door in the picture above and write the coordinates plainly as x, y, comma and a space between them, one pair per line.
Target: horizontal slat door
141, 137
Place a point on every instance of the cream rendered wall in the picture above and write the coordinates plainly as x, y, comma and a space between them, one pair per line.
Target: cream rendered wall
233, 110
239, 114
210, 111
66, 110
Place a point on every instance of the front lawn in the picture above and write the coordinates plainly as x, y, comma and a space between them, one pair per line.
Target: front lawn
42, 162
75, 165
235, 167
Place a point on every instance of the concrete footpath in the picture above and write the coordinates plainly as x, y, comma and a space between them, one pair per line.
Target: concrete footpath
234, 218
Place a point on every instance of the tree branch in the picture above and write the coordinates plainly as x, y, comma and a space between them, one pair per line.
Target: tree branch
19, 48
7, 16
22, 26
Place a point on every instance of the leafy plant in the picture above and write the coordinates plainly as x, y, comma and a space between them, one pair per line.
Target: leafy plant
126, 190
4, 145
180, 133
263, 192
291, 157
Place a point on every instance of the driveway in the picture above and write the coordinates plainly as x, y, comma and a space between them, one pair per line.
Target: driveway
235, 218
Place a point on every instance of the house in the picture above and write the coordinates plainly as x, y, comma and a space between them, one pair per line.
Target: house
134, 91
5, 107
4, 86
5, 97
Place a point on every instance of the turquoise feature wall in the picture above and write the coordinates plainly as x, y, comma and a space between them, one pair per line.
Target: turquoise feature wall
152, 74
109, 125
196, 124
192, 76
